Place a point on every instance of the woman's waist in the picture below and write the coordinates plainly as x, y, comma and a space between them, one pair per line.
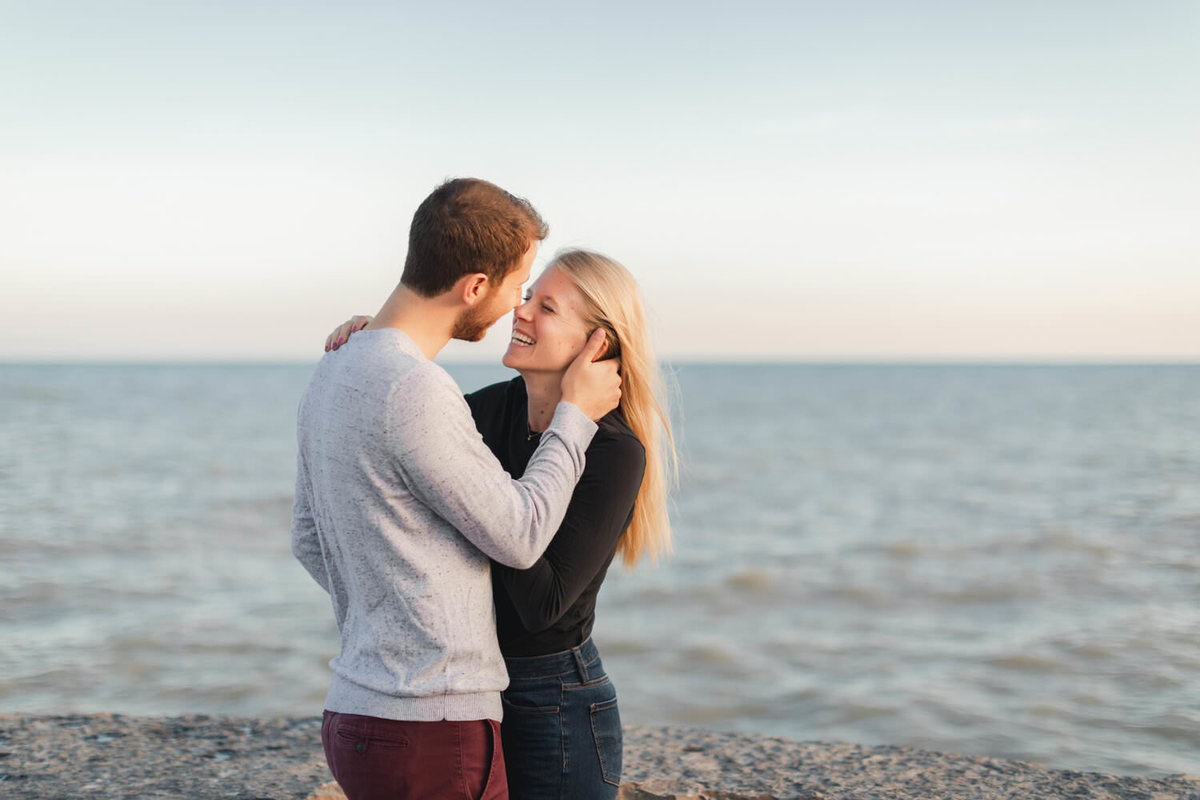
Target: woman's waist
567, 632
582, 661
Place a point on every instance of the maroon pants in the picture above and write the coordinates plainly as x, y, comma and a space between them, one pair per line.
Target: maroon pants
385, 759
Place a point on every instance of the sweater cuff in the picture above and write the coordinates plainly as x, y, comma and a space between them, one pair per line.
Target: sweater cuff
572, 425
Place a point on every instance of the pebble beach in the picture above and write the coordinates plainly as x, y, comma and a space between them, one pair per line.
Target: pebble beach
255, 758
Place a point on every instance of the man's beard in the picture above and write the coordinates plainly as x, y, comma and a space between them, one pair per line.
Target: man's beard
472, 325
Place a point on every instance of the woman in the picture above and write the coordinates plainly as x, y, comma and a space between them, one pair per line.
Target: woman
561, 730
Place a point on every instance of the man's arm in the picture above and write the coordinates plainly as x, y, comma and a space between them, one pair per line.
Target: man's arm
599, 512
446, 465
306, 546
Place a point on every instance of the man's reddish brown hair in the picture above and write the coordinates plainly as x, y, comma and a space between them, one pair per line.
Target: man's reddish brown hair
466, 226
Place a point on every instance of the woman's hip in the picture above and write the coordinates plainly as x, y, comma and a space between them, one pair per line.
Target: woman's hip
562, 730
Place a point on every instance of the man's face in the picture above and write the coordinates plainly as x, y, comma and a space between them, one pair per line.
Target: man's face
499, 299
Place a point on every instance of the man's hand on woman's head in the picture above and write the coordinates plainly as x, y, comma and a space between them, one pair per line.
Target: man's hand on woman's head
594, 386
342, 332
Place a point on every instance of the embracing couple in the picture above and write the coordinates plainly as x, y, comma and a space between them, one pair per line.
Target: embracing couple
463, 541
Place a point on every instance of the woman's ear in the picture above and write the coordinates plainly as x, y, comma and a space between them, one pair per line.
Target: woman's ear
611, 348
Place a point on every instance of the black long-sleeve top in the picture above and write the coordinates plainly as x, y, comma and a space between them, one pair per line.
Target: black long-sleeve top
551, 606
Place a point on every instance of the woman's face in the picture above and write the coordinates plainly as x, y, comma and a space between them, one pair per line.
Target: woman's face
549, 328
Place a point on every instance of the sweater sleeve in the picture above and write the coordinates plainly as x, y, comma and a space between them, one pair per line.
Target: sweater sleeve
599, 512
306, 546
445, 464
489, 406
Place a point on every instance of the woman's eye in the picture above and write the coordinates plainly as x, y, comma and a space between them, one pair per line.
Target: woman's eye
547, 308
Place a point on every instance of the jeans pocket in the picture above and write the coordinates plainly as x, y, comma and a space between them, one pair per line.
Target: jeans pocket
532, 699
606, 731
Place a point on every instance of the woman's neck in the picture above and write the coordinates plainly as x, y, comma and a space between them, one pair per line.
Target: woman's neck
544, 390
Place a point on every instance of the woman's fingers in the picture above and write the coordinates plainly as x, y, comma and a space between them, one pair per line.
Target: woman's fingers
342, 332
338, 337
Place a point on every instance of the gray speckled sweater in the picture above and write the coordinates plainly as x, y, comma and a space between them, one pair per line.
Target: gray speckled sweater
399, 505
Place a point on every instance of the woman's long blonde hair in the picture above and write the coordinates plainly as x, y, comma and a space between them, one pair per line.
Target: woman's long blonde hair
614, 303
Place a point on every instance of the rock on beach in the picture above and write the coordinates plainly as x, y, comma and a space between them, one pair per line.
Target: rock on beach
252, 758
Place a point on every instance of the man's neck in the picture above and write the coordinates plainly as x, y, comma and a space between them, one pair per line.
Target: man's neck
544, 390
428, 321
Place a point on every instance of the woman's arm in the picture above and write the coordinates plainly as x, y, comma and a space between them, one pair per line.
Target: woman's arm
599, 512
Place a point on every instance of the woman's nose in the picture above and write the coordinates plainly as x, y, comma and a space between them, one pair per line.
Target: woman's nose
522, 311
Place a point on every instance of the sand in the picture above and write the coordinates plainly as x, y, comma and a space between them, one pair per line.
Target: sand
252, 758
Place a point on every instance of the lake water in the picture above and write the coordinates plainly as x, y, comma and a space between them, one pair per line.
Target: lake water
979, 559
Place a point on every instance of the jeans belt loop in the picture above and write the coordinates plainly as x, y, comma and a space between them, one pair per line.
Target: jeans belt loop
579, 665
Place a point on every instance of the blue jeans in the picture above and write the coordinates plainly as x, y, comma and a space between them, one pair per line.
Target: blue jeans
561, 731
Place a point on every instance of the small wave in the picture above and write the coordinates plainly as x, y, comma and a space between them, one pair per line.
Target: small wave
703, 715
1068, 540
1093, 651
866, 596
985, 594
852, 712
655, 596
1046, 710
903, 549
708, 654
625, 647
1025, 662
752, 580
1176, 726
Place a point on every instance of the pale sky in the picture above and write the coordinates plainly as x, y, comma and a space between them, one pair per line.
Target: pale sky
808, 180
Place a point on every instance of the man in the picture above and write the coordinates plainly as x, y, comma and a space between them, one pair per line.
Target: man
399, 505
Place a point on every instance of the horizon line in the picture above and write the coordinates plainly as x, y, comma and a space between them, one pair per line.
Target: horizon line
1016, 360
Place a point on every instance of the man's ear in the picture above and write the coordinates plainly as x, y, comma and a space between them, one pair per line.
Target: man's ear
472, 287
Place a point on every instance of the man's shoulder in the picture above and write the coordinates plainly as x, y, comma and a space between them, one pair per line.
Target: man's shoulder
389, 356
372, 372
425, 375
